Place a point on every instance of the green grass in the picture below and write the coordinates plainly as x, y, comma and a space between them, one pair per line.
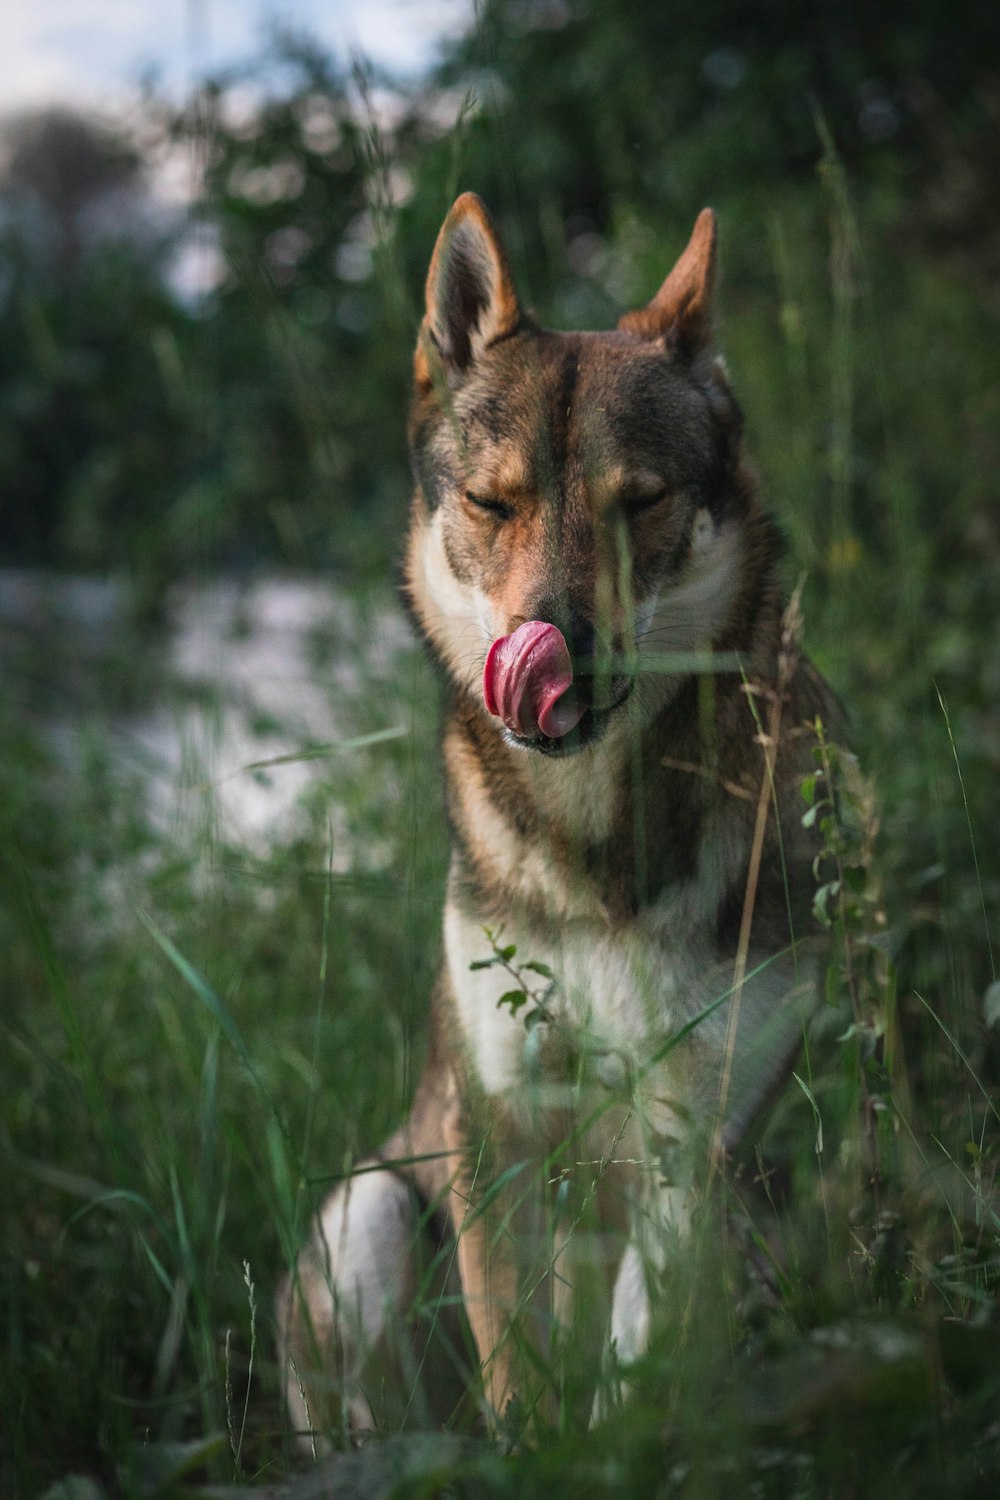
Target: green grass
193, 1034
198, 1035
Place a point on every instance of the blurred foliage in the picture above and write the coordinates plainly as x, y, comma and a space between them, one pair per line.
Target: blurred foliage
232, 388
88, 444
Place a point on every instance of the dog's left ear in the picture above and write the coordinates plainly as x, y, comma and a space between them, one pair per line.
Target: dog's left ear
682, 308
471, 301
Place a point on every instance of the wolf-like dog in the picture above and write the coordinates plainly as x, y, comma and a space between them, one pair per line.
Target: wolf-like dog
627, 960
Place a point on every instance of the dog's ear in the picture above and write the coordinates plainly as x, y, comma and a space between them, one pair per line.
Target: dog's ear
682, 308
471, 301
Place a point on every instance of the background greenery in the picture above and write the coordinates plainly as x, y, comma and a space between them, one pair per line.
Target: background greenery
197, 1032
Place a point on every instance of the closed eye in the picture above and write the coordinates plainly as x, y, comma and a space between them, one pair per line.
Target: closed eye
498, 508
635, 502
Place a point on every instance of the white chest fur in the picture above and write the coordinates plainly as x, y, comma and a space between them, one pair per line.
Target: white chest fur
620, 993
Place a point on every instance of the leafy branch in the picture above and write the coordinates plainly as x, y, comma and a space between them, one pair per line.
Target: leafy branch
525, 991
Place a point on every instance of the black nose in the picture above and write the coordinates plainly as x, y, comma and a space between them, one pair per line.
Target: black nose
592, 685
589, 677
598, 681
580, 640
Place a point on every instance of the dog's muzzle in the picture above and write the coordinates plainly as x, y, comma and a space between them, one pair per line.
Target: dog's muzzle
600, 700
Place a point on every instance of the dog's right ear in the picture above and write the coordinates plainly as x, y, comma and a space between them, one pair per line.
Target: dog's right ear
471, 300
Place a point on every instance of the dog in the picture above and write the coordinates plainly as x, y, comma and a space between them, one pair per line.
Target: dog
627, 961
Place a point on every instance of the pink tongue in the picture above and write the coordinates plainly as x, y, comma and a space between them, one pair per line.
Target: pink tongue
525, 676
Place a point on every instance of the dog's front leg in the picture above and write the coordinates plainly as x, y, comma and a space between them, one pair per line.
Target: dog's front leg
498, 1214
488, 1267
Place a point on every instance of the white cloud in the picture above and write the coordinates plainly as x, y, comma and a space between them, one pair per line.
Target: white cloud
94, 51
400, 34
68, 50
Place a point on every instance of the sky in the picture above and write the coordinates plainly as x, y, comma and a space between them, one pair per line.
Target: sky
92, 52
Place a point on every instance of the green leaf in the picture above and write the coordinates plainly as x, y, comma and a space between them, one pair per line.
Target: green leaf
815, 1109
159, 1467
812, 813
515, 999
495, 1190
821, 910
991, 1004
201, 988
539, 968
323, 752
75, 1487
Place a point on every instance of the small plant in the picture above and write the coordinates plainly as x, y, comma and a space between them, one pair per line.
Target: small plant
840, 806
526, 992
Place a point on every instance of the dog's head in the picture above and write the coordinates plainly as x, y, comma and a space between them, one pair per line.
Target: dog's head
579, 480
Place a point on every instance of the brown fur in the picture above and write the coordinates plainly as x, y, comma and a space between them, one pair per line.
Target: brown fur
597, 481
